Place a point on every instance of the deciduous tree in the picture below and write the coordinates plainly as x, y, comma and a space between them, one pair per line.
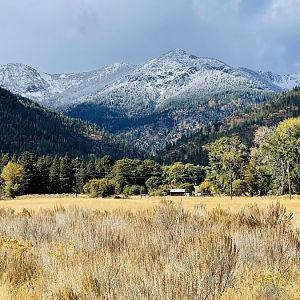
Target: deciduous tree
13, 177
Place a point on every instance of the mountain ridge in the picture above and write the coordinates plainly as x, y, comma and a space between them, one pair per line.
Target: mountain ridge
155, 103
166, 75
27, 126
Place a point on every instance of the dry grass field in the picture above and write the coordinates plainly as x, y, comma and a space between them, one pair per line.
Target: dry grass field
134, 204
165, 252
196, 248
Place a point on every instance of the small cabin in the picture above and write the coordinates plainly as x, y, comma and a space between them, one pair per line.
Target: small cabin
177, 192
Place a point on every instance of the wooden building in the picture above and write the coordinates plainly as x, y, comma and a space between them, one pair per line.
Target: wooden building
177, 192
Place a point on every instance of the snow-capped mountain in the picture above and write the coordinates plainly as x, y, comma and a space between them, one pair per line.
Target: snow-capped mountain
56, 90
159, 101
172, 75
178, 75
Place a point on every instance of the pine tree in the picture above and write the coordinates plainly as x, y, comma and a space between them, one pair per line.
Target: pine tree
54, 173
27, 160
90, 169
5, 158
42, 167
82, 177
66, 175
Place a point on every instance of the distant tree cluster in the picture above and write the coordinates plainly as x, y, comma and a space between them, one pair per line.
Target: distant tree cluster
272, 166
51, 175
31, 174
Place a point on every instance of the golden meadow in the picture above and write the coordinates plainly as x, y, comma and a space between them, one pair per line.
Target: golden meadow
165, 252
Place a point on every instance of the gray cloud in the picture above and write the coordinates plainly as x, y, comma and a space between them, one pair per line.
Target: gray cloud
75, 35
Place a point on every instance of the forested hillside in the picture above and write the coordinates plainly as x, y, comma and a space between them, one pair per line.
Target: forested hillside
244, 123
270, 166
27, 126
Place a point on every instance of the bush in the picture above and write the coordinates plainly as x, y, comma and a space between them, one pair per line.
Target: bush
239, 187
205, 187
162, 191
134, 190
189, 188
100, 188
153, 183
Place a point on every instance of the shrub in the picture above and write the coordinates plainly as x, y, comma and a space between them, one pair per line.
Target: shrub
189, 188
100, 188
205, 187
153, 183
239, 187
134, 190
162, 191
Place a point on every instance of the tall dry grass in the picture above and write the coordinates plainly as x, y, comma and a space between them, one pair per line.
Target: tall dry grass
161, 253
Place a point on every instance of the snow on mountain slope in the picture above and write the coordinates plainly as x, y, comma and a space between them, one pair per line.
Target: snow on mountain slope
290, 81
176, 75
173, 76
286, 82
22, 79
58, 89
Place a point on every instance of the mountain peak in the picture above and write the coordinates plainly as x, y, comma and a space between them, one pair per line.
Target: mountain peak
177, 54
183, 57
17, 66
173, 74
177, 51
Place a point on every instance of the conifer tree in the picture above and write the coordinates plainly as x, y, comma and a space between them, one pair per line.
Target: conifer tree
54, 173
27, 160
66, 175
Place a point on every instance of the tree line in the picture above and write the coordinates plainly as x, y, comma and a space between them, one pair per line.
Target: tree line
270, 166
31, 174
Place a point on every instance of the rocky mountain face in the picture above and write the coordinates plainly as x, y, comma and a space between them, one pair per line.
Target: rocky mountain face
153, 103
57, 90
285, 82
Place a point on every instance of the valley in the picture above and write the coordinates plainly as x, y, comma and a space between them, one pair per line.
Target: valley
150, 150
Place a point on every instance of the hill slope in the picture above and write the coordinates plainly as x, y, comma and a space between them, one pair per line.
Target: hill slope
26, 126
243, 123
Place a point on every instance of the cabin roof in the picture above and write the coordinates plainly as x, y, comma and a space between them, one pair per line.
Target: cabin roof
177, 191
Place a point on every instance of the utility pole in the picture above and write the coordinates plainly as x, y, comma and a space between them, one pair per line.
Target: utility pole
230, 180
289, 179
76, 180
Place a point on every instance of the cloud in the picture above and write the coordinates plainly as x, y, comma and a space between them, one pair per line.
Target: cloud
74, 35
211, 8
282, 12
276, 34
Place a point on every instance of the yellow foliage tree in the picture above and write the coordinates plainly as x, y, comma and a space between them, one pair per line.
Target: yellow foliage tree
13, 178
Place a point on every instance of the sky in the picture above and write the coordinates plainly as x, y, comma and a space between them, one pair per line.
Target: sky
57, 36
